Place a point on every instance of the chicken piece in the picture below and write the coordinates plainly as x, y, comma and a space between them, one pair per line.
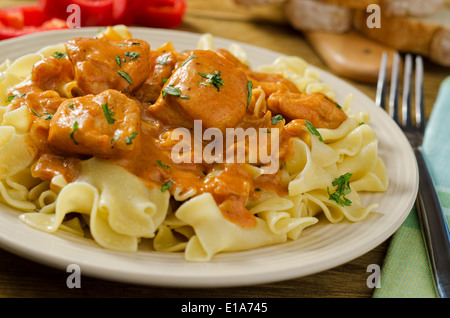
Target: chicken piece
162, 67
269, 82
205, 87
233, 59
51, 73
318, 109
50, 165
104, 125
101, 64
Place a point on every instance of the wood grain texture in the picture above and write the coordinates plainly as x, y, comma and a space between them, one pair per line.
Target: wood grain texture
265, 27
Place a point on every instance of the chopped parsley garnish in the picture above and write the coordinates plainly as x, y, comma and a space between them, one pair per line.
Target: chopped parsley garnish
133, 55
257, 189
130, 138
162, 165
342, 185
71, 105
249, 90
213, 78
48, 117
166, 186
74, 129
134, 43
313, 130
118, 61
174, 91
125, 76
163, 59
338, 106
59, 55
276, 119
11, 97
35, 112
190, 58
108, 114
164, 80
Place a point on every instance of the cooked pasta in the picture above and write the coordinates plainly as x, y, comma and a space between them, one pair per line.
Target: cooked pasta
108, 138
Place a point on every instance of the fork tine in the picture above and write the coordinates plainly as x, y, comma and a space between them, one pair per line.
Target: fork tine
380, 99
393, 94
406, 98
419, 105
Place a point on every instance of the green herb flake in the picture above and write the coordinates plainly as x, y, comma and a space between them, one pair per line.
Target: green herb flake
313, 130
59, 55
164, 80
49, 116
132, 55
257, 189
134, 43
213, 79
118, 61
342, 185
338, 106
35, 112
174, 91
163, 59
166, 186
71, 105
108, 114
125, 76
130, 138
161, 164
276, 119
249, 90
190, 58
74, 129
12, 97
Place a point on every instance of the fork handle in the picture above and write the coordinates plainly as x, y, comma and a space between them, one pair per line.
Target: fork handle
435, 228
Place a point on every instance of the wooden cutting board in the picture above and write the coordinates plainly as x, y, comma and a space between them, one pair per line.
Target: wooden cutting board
350, 54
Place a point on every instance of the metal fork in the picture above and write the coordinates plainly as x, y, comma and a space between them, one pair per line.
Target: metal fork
434, 225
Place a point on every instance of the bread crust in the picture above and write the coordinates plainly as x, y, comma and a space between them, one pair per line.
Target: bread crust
394, 7
409, 35
313, 15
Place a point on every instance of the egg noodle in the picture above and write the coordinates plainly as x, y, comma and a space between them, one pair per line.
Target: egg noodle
322, 174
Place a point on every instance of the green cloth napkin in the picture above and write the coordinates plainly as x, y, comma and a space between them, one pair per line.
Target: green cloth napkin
406, 272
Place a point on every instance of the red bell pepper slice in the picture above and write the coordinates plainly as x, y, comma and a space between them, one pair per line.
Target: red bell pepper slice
92, 12
24, 20
159, 13
52, 14
151, 13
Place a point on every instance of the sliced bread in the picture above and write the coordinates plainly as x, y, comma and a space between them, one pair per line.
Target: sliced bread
428, 35
315, 15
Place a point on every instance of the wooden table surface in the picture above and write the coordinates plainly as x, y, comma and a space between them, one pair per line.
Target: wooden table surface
265, 27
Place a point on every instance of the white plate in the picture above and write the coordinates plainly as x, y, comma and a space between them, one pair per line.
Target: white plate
320, 248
